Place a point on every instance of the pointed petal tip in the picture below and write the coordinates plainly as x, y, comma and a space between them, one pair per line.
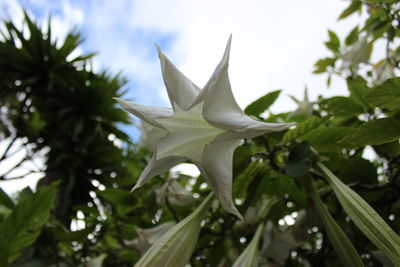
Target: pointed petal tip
236, 213
137, 186
159, 51
157, 47
240, 217
233, 210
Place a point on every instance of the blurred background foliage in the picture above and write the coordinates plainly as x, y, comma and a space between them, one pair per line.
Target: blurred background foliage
55, 107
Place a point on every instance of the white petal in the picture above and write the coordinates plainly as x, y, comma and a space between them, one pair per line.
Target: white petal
216, 166
156, 167
188, 133
181, 90
149, 135
146, 113
246, 127
218, 95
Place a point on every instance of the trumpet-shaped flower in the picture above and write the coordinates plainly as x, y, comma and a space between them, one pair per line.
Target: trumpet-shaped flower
304, 106
147, 237
203, 126
174, 193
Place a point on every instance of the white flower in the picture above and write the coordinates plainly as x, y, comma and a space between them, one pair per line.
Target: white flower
147, 237
277, 245
382, 71
175, 193
149, 135
305, 106
204, 125
357, 53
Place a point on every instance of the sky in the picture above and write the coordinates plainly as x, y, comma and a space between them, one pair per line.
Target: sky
275, 43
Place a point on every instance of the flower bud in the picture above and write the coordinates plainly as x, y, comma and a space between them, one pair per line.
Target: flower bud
174, 248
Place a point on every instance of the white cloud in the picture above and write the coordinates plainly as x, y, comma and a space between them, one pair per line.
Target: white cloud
275, 43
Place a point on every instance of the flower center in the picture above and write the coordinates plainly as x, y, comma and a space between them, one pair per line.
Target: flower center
188, 134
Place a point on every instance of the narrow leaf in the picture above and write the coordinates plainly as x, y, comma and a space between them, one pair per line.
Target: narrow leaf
342, 245
367, 220
249, 256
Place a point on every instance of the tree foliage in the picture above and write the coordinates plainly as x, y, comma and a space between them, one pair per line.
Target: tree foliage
323, 193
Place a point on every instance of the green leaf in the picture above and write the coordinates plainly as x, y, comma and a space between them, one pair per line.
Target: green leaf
118, 196
366, 171
374, 132
262, 104
385, 95
299, 160
23, 226
341, 106
353, 7
380, 1
325, 139
6, 200
367, 219
322, 64
334, 39
352, 37
302, 128
342, 245
244, 179
358, 90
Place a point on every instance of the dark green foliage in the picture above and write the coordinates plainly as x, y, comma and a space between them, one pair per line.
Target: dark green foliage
59, 103
21, 228
299, 161
6, 200
385, 95
374, 132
